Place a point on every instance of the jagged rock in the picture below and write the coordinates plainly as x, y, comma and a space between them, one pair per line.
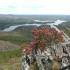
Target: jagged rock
45, 58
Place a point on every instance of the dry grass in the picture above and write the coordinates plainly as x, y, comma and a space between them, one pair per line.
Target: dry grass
12, 64
6, 45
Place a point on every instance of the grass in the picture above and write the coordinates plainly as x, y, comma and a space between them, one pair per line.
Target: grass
12, 64
16, 38
6, 55
13, 39
10, 60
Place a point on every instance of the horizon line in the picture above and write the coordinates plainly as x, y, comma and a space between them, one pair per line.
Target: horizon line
37, 14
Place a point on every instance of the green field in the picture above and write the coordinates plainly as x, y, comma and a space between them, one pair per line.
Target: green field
11, 59
18, 37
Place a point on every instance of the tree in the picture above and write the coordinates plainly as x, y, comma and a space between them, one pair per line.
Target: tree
43, 37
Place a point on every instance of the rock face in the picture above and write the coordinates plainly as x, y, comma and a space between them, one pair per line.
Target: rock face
55, 57
45, 59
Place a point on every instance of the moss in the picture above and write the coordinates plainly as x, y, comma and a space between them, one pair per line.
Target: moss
55, 66
34, 66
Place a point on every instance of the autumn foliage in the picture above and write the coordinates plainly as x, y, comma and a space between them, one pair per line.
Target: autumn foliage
43, 37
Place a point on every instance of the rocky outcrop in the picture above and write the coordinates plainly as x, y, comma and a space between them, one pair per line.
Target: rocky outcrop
45, 59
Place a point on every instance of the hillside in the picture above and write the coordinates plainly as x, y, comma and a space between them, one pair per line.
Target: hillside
10, 42
16, 37
10, 20
8, 46
65, 27
10, 52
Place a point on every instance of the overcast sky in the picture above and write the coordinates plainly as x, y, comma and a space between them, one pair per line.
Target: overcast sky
35, 7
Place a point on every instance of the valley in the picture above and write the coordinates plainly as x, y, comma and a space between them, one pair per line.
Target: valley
16, 30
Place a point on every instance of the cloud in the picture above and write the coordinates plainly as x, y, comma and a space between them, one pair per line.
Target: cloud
35, 6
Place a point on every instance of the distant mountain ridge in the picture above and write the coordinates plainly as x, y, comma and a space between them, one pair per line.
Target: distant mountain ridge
12, 20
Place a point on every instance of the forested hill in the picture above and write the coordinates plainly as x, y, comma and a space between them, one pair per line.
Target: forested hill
9, 20
65, 27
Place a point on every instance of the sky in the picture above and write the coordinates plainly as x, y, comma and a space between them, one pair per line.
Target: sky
60, 7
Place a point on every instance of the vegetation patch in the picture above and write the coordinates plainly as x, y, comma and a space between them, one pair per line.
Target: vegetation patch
6, 55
